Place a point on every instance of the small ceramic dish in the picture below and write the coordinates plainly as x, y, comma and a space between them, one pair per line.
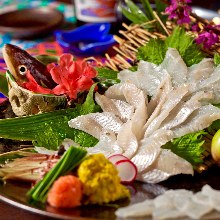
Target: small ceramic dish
30, 23
86, 40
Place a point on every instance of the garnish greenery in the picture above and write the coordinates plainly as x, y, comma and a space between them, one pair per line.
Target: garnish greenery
133, 13
107, 77
155, 50
11, 155
72, 158
144, 14
190, 147
217, 59
50, 129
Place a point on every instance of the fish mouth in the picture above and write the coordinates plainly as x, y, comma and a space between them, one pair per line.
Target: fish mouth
9, 53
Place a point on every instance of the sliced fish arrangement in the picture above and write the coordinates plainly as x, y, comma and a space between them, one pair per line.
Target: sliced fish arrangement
175, 204
181, 102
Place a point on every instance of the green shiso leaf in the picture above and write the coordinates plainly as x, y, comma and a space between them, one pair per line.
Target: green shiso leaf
50, 129
107, 77
190, 147
72, 158
217, 59
155, 50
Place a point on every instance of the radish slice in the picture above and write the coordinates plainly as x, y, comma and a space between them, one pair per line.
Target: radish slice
126, 170
117, 157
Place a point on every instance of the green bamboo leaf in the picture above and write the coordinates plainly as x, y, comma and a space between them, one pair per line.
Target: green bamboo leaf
160, 8
133, 13
148, 9
50, 129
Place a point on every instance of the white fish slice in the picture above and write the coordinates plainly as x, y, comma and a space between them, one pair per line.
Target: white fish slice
140, 209
127, 140
167, 164
175, 66
106, 145
149, 77
153, 176
213, 195
213, 79
199, 197
196, 210
96, 123
187, 108
149, 149
167, 213
175, 97
210, 84
157, 101
179, 197
119, 108
200, 71
198, 120
126, 92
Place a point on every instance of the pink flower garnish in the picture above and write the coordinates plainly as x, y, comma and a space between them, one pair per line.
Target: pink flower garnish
208, 36
179, 10
71, 76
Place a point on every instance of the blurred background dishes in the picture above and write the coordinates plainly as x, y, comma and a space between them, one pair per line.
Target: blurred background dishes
30, 23
205, 13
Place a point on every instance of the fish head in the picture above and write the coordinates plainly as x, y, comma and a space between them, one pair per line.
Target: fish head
20, 62
15, 60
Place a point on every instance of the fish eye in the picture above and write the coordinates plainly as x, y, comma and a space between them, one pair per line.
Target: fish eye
22, 69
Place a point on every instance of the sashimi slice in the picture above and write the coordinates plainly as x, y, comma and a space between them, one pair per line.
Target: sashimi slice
175, 66
150, 149
175, 97
140, 209
187, 108
166, 165
148, 77
127, 92
160, 96
200, 71
198, 120
156, 103
119, 108
106, 145
96, 123
127, 140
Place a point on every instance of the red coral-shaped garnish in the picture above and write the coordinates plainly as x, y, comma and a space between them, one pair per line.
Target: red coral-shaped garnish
71, 76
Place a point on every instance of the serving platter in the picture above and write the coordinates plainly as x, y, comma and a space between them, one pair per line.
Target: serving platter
14, 193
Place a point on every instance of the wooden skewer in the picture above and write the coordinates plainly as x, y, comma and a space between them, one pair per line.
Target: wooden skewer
130, 39
110, 62
128, 65
161, 23
122, 53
